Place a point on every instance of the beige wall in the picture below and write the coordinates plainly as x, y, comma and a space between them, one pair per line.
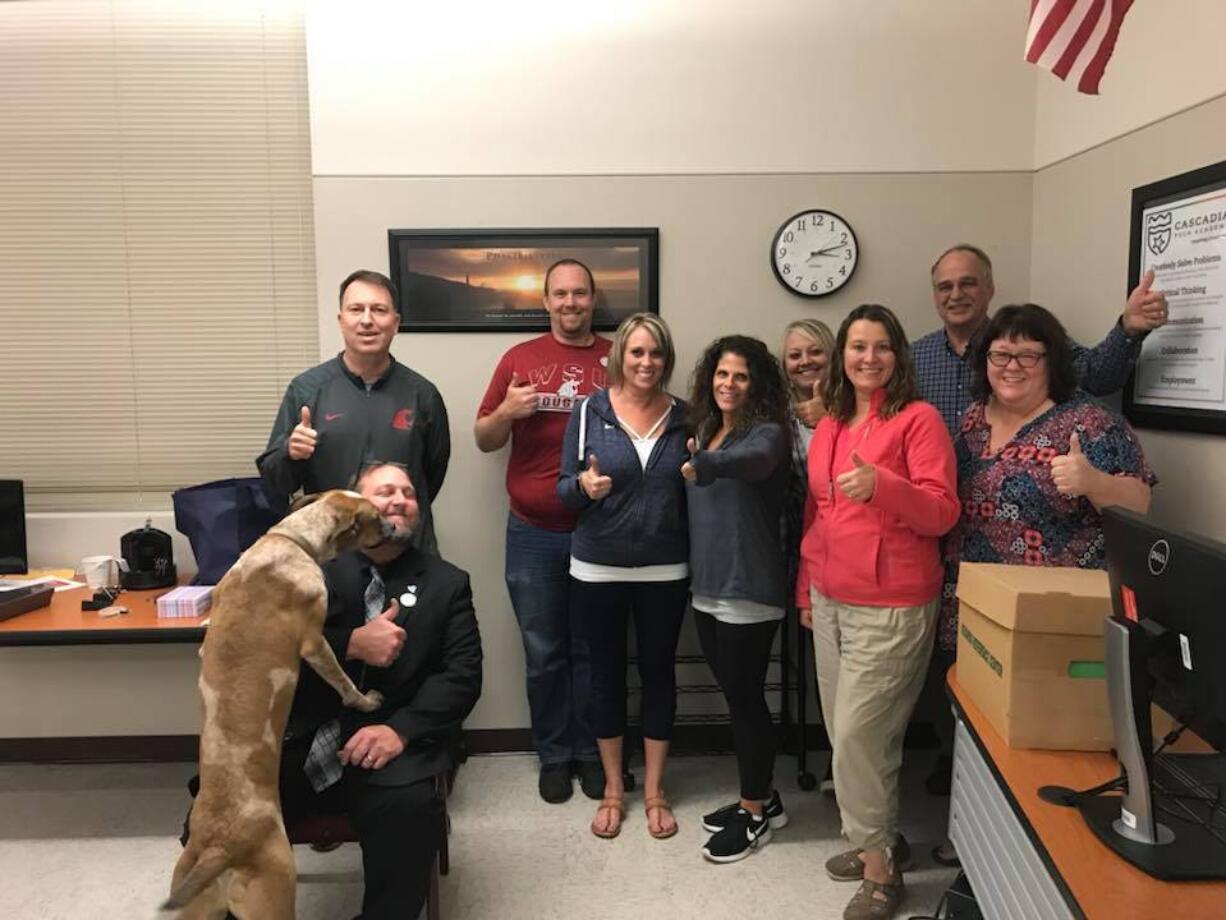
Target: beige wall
1079, 267
1169, 57
541, 87
713, 120
56, 539
715, 234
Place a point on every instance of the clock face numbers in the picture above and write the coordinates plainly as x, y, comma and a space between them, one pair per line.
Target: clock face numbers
814, 253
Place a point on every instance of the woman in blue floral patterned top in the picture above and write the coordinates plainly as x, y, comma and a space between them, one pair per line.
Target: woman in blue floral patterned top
1037, 458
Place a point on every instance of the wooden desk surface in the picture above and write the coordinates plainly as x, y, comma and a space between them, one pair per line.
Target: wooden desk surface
1104, 885
63, 622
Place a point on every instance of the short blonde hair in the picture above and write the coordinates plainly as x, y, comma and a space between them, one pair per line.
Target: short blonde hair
658, 330
814, 329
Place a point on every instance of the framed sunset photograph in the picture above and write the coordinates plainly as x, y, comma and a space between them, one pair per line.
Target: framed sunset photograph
494, 280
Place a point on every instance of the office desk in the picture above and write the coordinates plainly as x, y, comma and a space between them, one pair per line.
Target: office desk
63, 622
77, 687
1030, 860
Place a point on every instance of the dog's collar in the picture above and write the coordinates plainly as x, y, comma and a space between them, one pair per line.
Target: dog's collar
295, 539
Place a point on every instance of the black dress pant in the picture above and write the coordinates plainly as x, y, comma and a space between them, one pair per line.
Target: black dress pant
934, 702
398, 829
738, 655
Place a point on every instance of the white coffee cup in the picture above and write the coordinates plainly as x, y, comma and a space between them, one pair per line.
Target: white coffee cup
98, 570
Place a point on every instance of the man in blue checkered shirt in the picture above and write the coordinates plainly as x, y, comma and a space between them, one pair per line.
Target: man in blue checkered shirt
962, 289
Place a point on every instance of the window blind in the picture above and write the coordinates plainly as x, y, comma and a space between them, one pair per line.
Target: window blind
156, 245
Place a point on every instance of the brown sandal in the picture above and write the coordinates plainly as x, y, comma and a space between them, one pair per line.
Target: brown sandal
618, 804
875, 900
659, 802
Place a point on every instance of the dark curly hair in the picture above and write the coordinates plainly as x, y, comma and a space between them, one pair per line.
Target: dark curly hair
768, 392
1036, 324
901, 388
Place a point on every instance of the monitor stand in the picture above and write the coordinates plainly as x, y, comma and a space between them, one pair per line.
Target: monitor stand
1127, 824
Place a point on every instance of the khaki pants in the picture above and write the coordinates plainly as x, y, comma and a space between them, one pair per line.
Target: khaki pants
871, 663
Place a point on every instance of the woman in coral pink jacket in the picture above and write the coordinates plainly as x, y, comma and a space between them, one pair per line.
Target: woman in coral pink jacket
883, 490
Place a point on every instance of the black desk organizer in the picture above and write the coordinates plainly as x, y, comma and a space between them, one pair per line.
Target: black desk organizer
17, 601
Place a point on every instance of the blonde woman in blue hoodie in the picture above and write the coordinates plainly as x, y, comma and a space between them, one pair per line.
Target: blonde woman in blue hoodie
621, 472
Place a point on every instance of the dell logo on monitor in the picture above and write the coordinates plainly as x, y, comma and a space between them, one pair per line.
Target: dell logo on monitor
1159, 555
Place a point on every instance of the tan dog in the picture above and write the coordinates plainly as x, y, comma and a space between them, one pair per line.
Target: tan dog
268, 612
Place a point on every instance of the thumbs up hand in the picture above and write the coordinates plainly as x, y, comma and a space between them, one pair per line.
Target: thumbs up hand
521, 400
688, 473
594, 485
380, 641
860, 482
810, 411
1146, 309
302, 439
1072, 473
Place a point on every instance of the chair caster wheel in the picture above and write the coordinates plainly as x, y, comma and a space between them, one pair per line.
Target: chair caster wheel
806, 781
629, 781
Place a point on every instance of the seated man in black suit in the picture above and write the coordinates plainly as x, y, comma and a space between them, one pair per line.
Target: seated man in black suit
401, 622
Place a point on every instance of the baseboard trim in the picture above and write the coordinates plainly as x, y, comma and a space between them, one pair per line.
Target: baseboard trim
707, 738
101, 749
712, 738
497, 741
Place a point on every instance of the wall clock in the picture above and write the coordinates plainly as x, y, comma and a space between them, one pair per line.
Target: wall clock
814, 253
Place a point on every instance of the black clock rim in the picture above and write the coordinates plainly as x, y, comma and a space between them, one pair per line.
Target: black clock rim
775, 242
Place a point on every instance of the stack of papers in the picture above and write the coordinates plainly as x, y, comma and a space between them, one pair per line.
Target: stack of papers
59, 582
188, 601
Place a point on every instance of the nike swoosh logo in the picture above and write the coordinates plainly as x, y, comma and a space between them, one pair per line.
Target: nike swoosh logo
332, 416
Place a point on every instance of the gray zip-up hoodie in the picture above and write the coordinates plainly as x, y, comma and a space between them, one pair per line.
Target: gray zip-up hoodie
734, 508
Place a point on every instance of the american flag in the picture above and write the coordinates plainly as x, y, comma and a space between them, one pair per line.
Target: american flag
1074, 38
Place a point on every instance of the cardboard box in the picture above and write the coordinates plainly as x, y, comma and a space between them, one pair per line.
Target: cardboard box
1030, 653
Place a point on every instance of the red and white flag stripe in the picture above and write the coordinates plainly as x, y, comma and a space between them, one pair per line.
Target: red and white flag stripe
1074, 38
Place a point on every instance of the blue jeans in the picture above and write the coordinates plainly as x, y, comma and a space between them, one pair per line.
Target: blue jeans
555, 654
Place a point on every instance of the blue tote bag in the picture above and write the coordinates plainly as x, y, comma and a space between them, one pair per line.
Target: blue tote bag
221, 519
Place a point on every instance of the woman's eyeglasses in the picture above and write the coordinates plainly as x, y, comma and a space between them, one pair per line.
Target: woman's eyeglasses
1026, 359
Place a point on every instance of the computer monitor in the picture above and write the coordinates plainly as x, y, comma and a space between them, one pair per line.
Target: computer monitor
1174, 586
13, 558
1165, 644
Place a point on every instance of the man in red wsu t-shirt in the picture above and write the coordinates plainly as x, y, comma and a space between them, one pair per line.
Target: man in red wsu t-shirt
528, 402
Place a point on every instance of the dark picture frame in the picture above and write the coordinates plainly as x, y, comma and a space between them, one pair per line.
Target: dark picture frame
493, 280
1177, 192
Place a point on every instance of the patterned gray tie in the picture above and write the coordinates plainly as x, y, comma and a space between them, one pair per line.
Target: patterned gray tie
323, 766
375, 595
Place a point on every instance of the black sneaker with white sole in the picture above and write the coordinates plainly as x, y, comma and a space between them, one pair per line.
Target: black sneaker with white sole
717, 820
741, 835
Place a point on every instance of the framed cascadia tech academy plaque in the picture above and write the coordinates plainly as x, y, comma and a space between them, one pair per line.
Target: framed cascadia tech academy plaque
1179, 231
